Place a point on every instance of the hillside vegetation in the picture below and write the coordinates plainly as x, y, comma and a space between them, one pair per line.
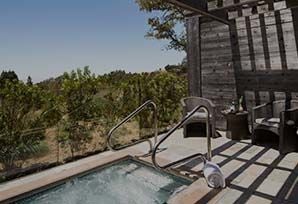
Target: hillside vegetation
71, 115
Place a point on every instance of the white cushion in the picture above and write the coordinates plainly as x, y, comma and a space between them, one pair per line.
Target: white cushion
272, 122
198, 116
260, 120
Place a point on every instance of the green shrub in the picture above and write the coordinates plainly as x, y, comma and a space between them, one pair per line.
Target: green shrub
78, 92
23, 116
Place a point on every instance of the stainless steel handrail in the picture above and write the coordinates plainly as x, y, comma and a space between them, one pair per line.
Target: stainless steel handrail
129, 117
182, 122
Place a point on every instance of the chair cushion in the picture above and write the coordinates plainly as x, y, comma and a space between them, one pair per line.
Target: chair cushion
198, 116
271, 122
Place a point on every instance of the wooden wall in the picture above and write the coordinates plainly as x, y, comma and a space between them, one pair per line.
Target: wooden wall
256, 57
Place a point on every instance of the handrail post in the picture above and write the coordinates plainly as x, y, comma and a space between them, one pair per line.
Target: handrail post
155, 122
129, 117
209, 151
181, 123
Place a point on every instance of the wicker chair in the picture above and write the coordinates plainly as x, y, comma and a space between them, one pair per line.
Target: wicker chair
199, 118
276, 119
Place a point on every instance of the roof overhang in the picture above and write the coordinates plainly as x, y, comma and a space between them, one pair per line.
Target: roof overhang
198, 7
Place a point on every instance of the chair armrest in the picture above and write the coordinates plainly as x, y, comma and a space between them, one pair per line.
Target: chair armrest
262, 106
288, 130
188, 104
289, 117
212, 105
213, 111
184, 107
293, 110
182, 102
261, 111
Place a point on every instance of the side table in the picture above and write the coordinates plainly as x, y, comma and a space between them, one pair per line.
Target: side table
237, 125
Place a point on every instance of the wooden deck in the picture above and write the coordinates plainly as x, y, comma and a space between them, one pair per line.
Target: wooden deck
254, 174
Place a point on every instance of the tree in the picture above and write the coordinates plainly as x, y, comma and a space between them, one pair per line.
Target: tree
78, 92
115, 77
29, 81
8, 76
165, 88
176, 69
23, 118
165, 25
54, 85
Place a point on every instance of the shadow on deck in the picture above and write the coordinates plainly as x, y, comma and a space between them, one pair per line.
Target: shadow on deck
254, 174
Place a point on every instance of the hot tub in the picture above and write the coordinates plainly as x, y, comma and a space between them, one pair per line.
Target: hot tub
125, 181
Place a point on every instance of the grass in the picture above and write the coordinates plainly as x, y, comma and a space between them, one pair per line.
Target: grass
50, 151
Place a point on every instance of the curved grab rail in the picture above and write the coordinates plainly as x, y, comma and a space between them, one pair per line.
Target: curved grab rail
129, 117
185, 119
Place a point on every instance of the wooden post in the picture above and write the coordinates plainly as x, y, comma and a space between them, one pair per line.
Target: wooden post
194, 56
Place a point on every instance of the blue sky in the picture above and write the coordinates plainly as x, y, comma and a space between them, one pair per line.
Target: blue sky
44, 38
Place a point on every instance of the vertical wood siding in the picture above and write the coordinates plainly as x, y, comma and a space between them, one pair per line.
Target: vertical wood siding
218, 78
256, 57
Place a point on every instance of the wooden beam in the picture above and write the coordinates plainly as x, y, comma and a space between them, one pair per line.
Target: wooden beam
241, 4
197, 4
199, 7
194, 56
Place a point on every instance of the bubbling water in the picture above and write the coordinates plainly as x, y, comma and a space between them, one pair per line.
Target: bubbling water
126, 182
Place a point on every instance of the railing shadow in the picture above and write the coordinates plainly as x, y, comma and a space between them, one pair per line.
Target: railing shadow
286, 194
